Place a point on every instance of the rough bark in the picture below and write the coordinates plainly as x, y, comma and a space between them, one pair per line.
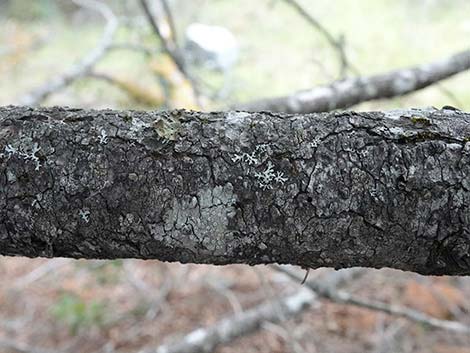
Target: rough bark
348, 92
377, 189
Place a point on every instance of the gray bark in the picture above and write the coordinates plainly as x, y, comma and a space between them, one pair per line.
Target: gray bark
377, 189
348, 92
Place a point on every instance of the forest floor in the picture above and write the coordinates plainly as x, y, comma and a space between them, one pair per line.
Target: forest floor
66, 305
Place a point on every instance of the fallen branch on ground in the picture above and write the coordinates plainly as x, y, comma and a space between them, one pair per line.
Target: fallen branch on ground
343, 297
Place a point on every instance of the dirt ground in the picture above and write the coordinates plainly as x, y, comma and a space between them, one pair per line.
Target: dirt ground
65, 305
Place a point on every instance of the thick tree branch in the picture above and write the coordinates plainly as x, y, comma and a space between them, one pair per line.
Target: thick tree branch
348, 92
379, 189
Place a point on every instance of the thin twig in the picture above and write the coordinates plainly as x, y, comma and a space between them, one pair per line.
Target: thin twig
337, 44
12, 346
171, 23
344, 297
39, 272
272, 295
171, 47
39, 94
134, 47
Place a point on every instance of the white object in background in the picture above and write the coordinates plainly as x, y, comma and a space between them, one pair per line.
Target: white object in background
212, 46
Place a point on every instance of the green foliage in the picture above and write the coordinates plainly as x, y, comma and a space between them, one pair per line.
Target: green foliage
77, 313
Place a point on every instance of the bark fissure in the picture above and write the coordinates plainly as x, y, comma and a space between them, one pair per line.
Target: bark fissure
376, 189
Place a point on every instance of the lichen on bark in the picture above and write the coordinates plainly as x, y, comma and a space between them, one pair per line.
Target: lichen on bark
375, 189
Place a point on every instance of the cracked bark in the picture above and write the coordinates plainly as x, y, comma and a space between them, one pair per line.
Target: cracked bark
376, 189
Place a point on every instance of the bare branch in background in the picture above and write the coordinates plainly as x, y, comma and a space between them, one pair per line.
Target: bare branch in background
152, 97
280, 328
344, 297
337, 44
170, 46
156, 299
10, 346
171, 23
224, 290
134, 47
52, 265
346, 93
205, 340
84, 66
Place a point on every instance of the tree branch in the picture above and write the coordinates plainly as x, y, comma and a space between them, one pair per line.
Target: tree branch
378, 189
205, 340
337, 44
171, 47
85, 65
344, 297
348, 92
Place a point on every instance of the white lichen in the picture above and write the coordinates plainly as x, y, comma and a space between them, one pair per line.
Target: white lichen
84, 214
32, 156
103, 138
268, 177
236, 117
237, 158
261, 148
26, 155
279, 178
10, 150
249, 158
316, 141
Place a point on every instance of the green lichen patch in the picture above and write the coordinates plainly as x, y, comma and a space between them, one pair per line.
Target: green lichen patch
420, 120
420, 136
167, 129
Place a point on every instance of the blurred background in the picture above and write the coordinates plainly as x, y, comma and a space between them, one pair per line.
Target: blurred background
213, 55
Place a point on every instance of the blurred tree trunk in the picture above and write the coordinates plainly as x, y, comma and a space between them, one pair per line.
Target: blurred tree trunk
339, 189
